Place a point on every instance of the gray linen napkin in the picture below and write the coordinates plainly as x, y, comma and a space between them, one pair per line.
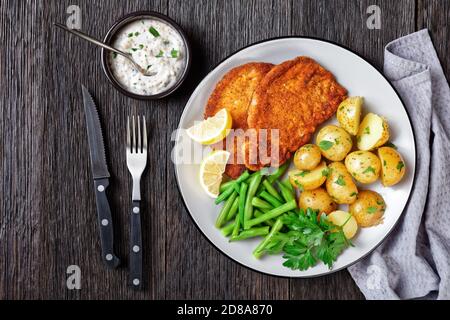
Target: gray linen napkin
414, 262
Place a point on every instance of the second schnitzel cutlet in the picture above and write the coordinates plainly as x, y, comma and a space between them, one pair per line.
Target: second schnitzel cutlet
294, 97
234, 92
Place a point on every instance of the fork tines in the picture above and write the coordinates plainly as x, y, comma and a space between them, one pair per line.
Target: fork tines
136, 139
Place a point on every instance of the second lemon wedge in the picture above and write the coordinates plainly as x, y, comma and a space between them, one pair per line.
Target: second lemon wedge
213, 129
211, 171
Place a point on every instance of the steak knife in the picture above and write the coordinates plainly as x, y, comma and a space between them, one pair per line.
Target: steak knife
101, 176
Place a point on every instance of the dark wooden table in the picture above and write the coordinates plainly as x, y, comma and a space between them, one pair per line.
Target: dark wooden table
47, 205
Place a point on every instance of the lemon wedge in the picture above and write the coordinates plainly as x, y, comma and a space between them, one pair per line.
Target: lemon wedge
212, 129
211, 171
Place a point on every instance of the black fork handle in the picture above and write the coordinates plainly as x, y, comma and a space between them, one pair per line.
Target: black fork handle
135, 246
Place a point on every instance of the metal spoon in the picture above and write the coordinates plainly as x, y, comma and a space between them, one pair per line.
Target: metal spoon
126, 55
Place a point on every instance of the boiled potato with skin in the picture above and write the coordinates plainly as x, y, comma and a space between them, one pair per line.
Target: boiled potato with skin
392, 166
317, 199
346, 221
349, 114
368, 209
373, 132
340, 185
309, 179
334, 142
307, 157
364, 166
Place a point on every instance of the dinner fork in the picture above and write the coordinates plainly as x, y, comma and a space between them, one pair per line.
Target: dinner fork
136, 161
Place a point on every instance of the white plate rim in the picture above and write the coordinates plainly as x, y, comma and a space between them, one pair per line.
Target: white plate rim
394, 225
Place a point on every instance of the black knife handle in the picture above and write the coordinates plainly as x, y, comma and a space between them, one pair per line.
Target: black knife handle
135, 246
105, 224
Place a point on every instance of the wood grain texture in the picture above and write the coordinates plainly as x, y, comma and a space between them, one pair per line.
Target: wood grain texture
435, 16
47, 205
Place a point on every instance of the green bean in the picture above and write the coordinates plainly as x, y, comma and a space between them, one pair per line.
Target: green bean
287, 183
288, 206
259, 250
271, 199
233, 209
258, 213
270, 189
227, 229
243, 177
242, 197
237, 226
224, 186
225, 210
225, 195
250, 233
234, 183
258, 203
279, 172
248, 208
285, 192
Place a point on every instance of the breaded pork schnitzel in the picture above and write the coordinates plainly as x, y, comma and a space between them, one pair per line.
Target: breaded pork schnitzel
234, 92
295, 97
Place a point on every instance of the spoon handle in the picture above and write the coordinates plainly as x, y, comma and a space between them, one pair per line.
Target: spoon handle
90, 39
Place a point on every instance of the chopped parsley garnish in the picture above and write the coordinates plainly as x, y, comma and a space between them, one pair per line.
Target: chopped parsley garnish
340, 180
380, 203
400, 165
353, 194
371, 210
366, 130
160, 54
303, 173
325, 172
336, 141
390, 144
369, 169
384, 163
148, 67
174, 53
130, 34
114, 54
136, 33
141, 46
325, 145
134, 49
154, 32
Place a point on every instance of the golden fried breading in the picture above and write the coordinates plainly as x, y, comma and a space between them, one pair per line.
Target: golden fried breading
234, 92
294, 97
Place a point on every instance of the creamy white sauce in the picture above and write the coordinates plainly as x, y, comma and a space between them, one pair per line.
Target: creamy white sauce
154, 45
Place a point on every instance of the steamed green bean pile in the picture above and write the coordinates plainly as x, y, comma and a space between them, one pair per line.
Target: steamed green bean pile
262, 205
252, 205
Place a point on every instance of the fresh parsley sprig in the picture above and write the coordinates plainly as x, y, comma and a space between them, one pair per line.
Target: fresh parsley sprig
309, 239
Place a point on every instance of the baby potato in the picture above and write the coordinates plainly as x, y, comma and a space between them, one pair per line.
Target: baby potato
346, 221
309, 179
317, 199
373, 132
340, 185
364, 166
307, 157
334, 142
368, 209
349, 114
392, 166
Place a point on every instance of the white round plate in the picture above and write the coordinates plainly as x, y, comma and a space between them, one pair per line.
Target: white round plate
360, 78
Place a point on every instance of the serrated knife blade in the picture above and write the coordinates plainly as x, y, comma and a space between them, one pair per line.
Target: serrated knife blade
99, 166
101, 176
